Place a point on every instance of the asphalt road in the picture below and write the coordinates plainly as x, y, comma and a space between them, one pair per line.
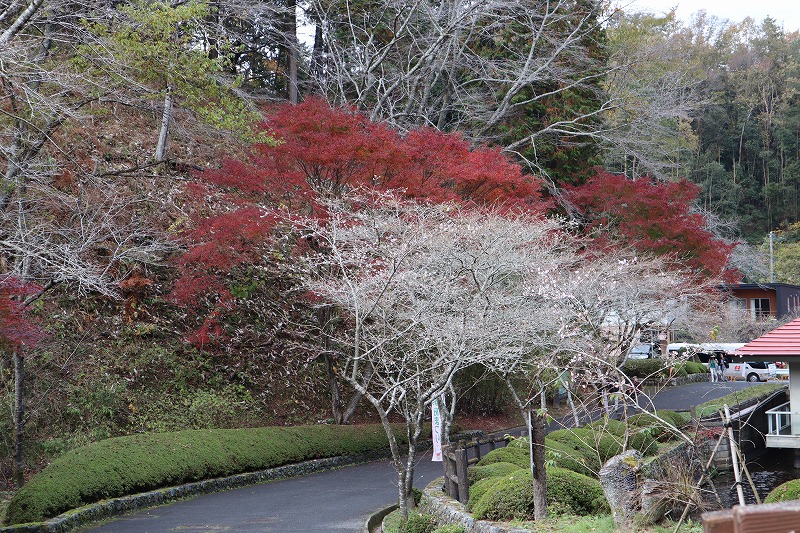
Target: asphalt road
335, 501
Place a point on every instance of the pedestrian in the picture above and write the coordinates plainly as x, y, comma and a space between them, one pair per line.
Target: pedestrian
722, 365
712, 366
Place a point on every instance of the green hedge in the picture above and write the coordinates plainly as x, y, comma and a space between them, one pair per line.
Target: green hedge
128, 465
511, 497
658, 368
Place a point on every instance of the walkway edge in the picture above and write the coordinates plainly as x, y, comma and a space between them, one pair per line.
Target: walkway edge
105, 509
377, 518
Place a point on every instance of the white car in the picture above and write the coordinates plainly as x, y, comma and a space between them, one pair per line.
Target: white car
753, 371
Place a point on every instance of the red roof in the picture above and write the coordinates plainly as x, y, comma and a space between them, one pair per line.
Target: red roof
780, 342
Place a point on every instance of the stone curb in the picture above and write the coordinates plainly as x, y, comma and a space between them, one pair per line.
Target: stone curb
449, 511
110, 508
377, 518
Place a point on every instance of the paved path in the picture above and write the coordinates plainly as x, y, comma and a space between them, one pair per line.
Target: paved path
336, 501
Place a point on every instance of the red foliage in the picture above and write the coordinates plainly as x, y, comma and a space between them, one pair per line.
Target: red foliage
16, 328
323, 152
652, 217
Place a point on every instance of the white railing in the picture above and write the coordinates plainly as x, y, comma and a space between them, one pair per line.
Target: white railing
780, 420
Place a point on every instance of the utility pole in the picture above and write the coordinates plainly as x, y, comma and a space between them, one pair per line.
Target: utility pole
771, 259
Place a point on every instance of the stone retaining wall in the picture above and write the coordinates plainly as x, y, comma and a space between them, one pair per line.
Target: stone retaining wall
449, 511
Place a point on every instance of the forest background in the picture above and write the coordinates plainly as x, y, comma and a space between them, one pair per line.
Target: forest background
118, 120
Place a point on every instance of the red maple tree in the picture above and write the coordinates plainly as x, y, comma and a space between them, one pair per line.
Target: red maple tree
322, 152
654, 218
16, 327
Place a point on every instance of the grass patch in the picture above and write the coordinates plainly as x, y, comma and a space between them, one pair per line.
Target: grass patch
712, 407
598, 524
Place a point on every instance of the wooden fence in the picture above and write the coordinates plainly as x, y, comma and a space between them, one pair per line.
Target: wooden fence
781, 517
457, 457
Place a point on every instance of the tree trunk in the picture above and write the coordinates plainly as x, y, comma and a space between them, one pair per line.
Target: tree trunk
19, 418
166, 118
539, 474
292, 51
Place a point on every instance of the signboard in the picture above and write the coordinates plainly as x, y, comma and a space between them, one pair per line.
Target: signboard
436, 431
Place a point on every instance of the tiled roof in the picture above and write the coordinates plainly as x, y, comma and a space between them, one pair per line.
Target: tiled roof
780, 342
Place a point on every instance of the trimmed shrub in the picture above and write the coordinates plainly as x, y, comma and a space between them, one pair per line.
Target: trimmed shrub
513, 455
615, 427
693, 367
567, 491
644, 368
583, 461
477, 473
658, 429
574, 493
128, 465
643, 440
606, 445
477, 490
637, 439
785, 492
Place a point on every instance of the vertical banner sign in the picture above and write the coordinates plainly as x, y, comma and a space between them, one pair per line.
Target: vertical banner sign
436, 431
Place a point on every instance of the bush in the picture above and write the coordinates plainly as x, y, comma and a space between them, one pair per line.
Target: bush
693, 367
509, 454
615, 427
654, 426
605, 444
450, 528
583, 461
511, 497
643, 368
785, 492
477, 473
480, 487
127, 465
419, 523
575, 493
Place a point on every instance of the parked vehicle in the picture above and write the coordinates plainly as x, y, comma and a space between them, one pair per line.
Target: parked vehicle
752, 371
644, 351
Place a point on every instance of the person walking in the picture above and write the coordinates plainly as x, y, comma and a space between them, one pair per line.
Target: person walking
712, 365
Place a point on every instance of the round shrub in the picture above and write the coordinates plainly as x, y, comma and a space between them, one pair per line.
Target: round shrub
658, 430
693, 367
477, 490
615, 427
521, 443
605, 444
575, 493
785, 492
512, 497
643, 368
643, 440
507, 499
584, 461
477, 473
512, 455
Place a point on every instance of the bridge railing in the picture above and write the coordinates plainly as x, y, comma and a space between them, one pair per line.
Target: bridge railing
779, 420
